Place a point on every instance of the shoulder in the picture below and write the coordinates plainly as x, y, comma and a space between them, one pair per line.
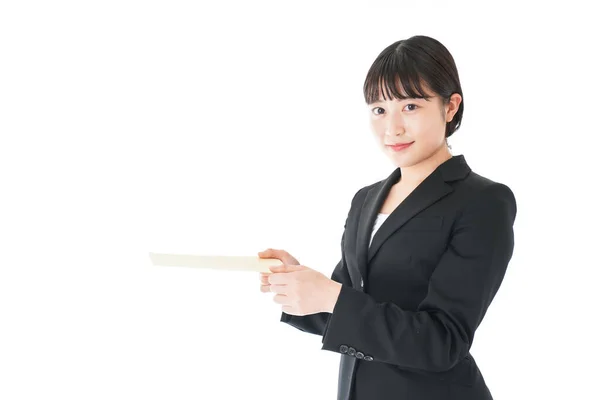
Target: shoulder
361, 193
483, 196
477, 188
472, 191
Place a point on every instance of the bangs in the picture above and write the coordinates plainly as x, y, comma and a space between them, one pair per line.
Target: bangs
393, 77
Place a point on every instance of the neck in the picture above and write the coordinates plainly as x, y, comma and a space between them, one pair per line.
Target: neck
415, 174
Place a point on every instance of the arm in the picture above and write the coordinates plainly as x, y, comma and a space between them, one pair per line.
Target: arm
440, 332
317, 323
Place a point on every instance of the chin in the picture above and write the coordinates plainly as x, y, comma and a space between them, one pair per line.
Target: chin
402, 161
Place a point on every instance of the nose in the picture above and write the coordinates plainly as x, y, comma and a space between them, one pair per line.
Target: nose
394, 125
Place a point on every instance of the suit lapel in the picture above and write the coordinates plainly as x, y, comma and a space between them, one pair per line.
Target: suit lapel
430, 190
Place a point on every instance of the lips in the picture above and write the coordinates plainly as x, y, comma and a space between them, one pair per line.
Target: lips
400, 146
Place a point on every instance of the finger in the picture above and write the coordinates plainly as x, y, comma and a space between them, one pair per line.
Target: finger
288, 309
279, 254
279, 279
279, 289
271, 253
285, 268
264, 280
265, 251
264, 277
265, 288
280, 299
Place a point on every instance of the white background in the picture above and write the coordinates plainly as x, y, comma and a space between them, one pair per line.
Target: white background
129, 127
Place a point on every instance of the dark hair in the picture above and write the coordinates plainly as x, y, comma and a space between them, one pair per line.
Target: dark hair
412, 62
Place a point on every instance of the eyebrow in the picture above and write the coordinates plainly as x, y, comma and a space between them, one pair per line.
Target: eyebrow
407, 99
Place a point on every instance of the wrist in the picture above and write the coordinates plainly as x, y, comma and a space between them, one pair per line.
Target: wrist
334, 294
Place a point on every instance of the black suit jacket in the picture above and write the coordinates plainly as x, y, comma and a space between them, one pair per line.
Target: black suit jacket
410, 303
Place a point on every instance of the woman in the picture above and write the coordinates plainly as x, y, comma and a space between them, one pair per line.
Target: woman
424, 251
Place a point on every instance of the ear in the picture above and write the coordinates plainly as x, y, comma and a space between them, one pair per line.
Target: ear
452, 106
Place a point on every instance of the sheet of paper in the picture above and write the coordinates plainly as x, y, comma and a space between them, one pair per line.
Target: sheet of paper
231, 263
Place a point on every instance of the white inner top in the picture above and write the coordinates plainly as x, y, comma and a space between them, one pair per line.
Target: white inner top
380, 218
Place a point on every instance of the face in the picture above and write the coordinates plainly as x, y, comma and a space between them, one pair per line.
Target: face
417, 121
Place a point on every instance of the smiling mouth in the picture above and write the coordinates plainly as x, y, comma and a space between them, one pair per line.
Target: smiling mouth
399, 147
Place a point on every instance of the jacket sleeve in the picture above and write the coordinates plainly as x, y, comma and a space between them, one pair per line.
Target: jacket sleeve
317, 323
439, 333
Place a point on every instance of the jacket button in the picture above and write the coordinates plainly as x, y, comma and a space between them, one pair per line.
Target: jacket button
351, 351
368, 358
362, 284
360, 355
343, 348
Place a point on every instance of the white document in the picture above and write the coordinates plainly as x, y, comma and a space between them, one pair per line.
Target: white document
231, 263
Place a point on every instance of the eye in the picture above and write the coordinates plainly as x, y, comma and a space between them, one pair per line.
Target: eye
376, 108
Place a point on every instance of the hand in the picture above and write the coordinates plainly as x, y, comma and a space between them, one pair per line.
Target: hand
301, 290
281, 255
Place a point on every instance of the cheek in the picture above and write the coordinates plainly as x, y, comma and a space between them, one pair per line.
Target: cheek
377, 128
375, 124
427, 129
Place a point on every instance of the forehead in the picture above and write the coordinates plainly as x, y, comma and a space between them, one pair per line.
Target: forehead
381, 100
385, 89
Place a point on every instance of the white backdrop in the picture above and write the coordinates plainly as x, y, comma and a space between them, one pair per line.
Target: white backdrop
129, 127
